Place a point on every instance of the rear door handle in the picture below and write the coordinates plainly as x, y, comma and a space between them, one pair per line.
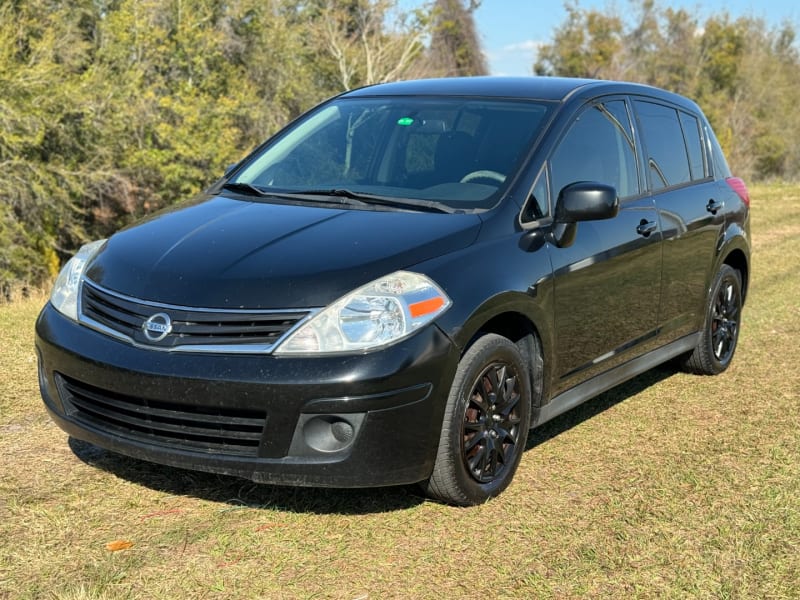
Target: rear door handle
713, 206
645, 228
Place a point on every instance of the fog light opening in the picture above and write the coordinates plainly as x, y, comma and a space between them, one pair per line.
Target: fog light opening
342, 431
328, 433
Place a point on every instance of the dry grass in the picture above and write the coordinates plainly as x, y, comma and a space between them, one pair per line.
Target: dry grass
670, 486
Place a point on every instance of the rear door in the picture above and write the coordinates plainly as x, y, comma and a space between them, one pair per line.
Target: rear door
690, 214
607, 283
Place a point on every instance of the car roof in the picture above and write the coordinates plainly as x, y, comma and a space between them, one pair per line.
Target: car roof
531, 88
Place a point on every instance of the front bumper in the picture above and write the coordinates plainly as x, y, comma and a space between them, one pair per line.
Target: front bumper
340, 421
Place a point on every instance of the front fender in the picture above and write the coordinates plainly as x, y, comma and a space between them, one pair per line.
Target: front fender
504, 285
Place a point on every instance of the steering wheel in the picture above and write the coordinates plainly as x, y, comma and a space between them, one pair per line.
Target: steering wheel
484, 174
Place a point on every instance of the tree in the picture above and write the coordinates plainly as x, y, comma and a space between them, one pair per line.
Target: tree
46, 135
586, 45
743, 74
455, 49
112, 109
354, 35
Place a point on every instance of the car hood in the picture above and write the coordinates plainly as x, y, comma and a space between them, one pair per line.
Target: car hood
223, 252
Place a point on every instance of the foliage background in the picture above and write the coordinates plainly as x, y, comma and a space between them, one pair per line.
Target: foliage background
111, 109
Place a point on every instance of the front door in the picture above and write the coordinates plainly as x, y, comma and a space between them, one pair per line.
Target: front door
607, 283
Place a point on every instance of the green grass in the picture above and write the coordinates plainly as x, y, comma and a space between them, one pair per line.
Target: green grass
670, 486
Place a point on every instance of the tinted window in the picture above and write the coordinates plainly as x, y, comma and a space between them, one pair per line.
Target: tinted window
666, 150
456, 151
597, 147
537, 207
339, 149
721, 168
694, 145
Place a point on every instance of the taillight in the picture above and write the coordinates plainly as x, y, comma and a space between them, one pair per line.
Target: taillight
738, 186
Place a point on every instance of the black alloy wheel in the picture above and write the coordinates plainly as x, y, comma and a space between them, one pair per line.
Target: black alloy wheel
725, 320
485, 425
491, 423
721, 331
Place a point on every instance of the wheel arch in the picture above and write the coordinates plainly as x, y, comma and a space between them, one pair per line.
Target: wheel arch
737, 259
734, 250
519, 328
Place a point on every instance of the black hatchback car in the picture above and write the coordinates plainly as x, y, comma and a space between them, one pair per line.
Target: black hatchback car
399, 284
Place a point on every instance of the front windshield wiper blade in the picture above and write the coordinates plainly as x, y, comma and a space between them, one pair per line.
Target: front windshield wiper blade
412, 203
244, 188
341, 196
252, 190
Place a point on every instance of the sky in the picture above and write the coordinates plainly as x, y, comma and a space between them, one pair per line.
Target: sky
511, 30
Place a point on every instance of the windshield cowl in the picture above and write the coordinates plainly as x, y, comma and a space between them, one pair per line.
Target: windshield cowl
342, 197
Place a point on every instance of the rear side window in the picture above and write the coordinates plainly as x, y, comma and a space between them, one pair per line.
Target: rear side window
673, 141
598, 147
667, 157
694, 145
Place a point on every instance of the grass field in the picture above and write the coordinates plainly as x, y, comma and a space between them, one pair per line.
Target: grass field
670, 486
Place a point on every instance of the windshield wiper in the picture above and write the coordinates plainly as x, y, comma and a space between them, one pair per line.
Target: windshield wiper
244, 188
412, 203
252, 190
341, 196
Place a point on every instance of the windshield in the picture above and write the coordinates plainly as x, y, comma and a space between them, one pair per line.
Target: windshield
458, 152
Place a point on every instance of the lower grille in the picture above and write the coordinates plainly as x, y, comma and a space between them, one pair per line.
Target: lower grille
210, 429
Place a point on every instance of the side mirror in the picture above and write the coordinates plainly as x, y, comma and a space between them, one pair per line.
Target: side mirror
582, 201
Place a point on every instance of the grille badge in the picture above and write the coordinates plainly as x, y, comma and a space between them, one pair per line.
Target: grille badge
157, 327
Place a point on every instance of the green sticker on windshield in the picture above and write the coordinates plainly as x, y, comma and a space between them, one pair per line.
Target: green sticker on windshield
405, 121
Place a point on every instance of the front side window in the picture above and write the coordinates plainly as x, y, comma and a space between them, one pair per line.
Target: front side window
459, 152
537, 205
598, 147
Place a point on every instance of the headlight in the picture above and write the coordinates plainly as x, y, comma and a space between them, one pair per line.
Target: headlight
377, 314
64, 296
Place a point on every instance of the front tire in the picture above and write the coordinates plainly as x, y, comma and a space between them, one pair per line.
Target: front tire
720, 333
485, 424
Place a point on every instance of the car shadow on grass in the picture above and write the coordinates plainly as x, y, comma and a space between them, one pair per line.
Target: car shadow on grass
240, 492
599, 404
243, 493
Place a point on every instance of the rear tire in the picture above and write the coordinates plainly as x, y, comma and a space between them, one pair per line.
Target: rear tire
720, 334
485, 424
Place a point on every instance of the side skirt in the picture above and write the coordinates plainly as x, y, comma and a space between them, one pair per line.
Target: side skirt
605, 381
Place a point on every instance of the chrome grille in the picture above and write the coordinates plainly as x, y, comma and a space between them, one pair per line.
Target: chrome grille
231, 431
193, 329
